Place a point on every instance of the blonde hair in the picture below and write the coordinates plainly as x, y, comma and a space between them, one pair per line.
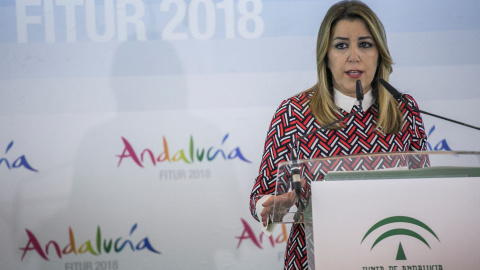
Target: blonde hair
390, 119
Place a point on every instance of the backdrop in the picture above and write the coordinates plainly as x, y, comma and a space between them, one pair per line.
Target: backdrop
132, 130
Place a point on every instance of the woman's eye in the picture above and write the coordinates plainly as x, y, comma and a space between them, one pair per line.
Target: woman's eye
366, 44
341, 46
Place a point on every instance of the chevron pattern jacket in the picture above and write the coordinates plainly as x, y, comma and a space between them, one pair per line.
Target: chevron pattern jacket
293, 119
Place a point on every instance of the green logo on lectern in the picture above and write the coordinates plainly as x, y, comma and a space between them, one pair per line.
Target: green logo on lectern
399, 231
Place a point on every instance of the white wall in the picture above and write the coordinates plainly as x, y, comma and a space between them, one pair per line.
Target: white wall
78, 76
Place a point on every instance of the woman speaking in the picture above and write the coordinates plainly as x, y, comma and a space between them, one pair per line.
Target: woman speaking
351, 46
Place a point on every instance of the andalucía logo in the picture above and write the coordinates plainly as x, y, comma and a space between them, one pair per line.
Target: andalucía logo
15, 162
189, 154
94, 247
400, 231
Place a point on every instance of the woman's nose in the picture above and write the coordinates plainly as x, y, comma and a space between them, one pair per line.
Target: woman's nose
353, 57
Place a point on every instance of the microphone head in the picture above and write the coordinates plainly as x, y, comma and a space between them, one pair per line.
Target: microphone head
359, 90
397, 95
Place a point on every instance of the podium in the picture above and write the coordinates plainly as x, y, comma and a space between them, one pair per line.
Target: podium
403, 210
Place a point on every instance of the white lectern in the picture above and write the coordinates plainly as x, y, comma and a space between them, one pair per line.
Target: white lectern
384, 211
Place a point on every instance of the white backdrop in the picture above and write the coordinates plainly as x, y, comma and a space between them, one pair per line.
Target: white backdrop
132, 130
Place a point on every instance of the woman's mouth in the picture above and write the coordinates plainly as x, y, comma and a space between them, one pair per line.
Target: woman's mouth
354, 74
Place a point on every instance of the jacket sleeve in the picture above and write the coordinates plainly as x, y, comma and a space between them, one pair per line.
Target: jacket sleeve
276, 150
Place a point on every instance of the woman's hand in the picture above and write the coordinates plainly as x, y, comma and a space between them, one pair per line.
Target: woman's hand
282, 202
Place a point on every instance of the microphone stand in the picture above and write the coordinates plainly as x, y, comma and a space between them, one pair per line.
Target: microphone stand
401, 97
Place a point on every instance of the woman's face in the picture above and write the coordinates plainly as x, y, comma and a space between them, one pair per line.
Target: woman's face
352, 55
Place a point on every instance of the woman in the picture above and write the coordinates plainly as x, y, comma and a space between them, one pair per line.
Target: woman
351, 46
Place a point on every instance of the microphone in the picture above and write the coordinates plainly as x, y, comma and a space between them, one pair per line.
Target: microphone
397, 95
400, 97
297, 183
359, 92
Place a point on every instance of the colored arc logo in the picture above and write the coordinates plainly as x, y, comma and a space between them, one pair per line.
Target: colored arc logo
394, 232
